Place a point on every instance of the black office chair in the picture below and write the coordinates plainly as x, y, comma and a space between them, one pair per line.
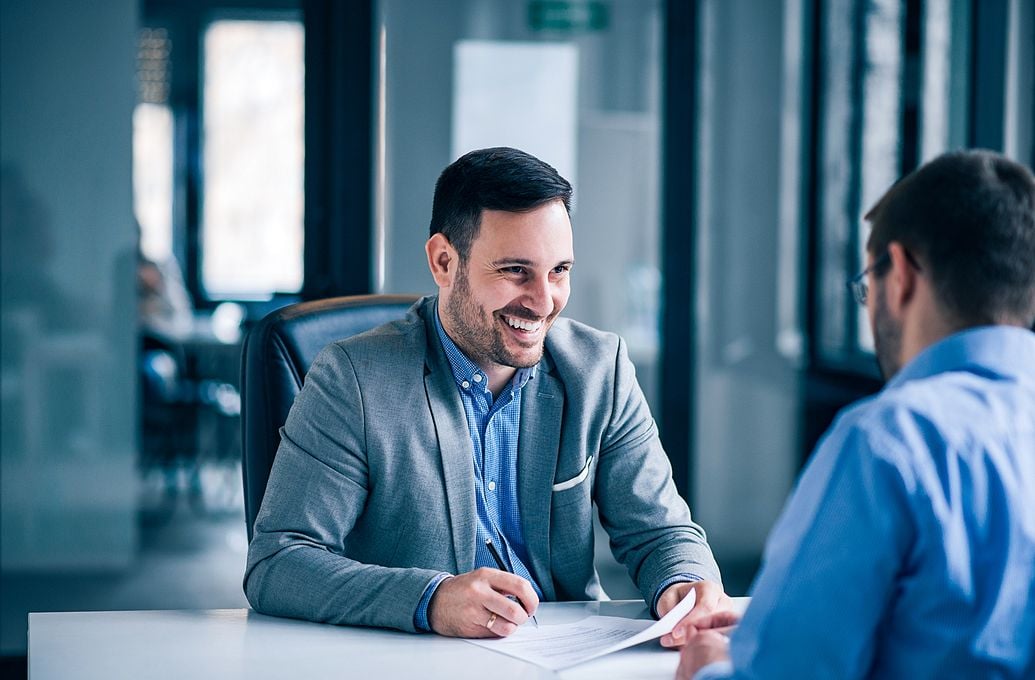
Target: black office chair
276, 356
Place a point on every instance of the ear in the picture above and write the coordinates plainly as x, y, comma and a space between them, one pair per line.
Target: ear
443, 260
901, 280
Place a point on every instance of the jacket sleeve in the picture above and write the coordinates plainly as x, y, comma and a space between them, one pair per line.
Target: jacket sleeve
316, 492
649, 524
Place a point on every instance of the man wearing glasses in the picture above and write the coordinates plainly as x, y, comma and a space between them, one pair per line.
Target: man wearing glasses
908, 548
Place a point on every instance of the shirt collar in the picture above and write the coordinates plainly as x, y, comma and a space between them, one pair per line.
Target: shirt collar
465, 370
1004, 350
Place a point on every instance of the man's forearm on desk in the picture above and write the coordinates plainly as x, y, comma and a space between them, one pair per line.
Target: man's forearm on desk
316, 585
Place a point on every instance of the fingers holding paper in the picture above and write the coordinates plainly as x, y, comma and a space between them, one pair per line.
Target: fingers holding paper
705, 647
713, 609
482, 603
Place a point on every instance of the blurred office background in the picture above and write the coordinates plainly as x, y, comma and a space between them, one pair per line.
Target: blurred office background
173, 170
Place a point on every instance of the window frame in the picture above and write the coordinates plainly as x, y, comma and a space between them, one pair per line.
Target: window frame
339, 140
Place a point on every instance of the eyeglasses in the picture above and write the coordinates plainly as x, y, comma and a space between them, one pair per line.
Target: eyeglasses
858, 284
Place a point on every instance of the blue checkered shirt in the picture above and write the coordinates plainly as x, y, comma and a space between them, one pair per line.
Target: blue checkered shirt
493, 426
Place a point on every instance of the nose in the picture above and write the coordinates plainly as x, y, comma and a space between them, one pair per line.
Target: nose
539, 296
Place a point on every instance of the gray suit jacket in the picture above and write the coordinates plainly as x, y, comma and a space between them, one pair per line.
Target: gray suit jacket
372, 489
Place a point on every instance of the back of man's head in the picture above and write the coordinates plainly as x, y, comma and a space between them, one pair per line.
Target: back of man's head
969, 218
499, 178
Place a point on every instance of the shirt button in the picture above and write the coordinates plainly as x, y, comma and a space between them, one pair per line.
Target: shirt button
477, 377
465, 385
492, 486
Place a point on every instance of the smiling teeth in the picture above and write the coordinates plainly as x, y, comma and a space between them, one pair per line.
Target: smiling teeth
524, 325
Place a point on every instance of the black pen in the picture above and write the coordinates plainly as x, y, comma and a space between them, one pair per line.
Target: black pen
502, 567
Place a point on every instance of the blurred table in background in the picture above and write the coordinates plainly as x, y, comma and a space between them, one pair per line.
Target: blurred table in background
190, 414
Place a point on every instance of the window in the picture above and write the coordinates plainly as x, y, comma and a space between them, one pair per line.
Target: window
153, 178
253, 154
153, 146
893, 91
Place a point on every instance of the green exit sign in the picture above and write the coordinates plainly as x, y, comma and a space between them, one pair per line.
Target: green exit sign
568, 16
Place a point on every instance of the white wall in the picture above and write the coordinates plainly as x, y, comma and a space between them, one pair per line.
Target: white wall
68, 305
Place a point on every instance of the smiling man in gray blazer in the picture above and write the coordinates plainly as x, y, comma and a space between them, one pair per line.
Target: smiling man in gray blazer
439, 473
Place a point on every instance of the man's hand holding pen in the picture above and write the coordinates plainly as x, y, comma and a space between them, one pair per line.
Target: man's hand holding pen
479, 604
502, 566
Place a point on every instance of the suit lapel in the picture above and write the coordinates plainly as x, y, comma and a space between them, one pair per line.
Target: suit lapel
542, 403
455, 449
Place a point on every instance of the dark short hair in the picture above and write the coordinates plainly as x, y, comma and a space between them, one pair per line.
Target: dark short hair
969, 219
499, 178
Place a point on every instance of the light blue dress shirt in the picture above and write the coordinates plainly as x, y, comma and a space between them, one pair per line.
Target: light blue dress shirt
493, 425
908, 548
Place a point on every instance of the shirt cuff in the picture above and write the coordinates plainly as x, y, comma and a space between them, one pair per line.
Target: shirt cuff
420, 617
717, 670
678, 578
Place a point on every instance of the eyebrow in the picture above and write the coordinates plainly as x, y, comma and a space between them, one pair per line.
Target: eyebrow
524, 262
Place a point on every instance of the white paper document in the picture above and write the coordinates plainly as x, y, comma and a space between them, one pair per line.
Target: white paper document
567, 644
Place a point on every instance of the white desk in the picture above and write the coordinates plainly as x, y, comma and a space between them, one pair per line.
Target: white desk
238, 643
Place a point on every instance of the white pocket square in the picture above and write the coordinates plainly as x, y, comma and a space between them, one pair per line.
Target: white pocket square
576, 480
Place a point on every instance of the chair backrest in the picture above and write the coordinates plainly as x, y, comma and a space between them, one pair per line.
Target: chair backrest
276, 356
